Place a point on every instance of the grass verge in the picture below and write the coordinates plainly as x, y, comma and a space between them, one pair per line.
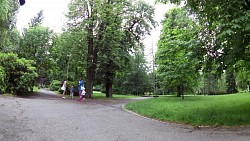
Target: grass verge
227, 110
102, 96
99, 95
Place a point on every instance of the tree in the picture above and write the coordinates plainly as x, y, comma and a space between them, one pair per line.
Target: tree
109, 33
37, 20
83, 14
118, 39
35, 45
68, 53
177, 67
134, 79
229, 21
8, 10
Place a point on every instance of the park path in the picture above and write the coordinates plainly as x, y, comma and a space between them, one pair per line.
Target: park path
48, 117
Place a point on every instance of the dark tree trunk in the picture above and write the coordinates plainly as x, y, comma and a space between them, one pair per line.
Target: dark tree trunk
90, 66
108, 88
109, 80
180, 91
231, 84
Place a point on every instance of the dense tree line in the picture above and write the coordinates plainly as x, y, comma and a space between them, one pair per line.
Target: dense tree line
99, 43
203, 48
223, 42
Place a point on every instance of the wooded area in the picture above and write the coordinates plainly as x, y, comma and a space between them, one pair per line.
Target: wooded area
203, 48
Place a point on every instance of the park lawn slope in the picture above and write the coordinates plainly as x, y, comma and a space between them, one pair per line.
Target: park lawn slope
227, 110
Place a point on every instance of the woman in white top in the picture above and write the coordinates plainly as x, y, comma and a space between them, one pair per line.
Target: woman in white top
64, 86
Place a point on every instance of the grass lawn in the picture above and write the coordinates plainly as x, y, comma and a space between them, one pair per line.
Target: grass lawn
98, 95
228, 110
102, 96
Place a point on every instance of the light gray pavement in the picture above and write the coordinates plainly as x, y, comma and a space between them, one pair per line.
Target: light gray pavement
48, 117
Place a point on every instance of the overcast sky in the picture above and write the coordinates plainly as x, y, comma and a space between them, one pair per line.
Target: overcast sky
54, 11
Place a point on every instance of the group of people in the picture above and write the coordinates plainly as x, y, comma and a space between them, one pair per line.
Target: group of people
81, 89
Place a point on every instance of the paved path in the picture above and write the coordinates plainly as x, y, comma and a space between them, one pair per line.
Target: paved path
48, 117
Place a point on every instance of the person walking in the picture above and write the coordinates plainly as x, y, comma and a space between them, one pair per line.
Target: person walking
82, 97
72, 92
64, 86
81, 87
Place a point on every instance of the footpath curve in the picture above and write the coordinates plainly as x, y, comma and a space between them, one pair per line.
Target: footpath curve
48, 117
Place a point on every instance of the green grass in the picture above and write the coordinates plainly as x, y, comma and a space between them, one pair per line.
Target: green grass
98, 95
102, 96
227, 110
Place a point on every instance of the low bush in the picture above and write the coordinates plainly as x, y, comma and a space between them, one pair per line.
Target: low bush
55, 85
17, 75
3, 85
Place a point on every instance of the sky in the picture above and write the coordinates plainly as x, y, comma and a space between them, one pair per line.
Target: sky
54, 11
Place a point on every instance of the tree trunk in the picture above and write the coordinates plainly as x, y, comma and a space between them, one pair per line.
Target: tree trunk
108, 88
231, 84
90, 69
180, 91
109, 80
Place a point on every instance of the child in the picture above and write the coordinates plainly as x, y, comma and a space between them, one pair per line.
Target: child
82, 97
72, 92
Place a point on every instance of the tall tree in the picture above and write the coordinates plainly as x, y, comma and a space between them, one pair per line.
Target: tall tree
230, 23
134, 78
118, 38
35, 45
177, 67
8, 10
109, 25
83, 14
69, 53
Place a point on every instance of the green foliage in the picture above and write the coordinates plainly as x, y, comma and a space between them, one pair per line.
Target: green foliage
113, 29
8, 10
229, 110
134, 79
243, 75
19, 73
3, 85
177, 64
35, 45
68, 55
55, 85
224, 33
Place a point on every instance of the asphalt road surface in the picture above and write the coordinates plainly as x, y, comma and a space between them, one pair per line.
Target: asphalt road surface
48, 117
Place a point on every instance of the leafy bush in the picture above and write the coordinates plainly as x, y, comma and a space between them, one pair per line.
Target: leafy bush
55, 85
3, 85
19, 73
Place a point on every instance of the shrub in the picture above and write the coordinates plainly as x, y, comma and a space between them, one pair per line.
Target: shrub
19, 73
3, 85
55, 85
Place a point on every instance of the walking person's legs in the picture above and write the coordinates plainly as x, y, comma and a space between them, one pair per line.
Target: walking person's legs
80, 95
72, 95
